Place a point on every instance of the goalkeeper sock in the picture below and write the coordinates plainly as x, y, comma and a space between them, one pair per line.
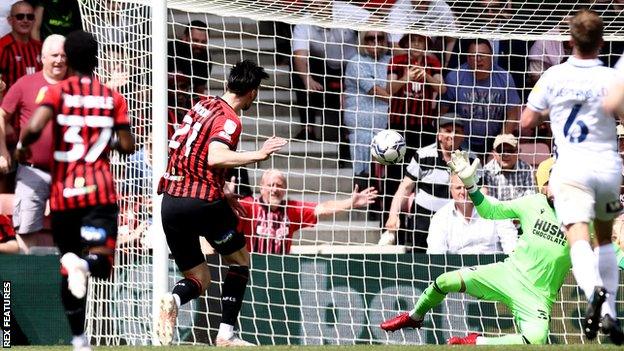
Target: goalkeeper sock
584, 266
435, 293
186, 290
609, 274
74, 308
511, 339
233, 292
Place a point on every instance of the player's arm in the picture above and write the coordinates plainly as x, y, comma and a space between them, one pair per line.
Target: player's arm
220, 155
42, 115
487, 207
614, 102
537, 104
531, 118
357, 200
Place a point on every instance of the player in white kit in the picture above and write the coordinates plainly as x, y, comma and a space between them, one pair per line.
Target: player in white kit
587, 175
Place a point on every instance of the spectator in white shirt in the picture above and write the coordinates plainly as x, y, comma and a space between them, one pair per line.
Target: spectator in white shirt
457, 228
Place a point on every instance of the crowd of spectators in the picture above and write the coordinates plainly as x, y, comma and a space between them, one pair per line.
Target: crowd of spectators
440, 92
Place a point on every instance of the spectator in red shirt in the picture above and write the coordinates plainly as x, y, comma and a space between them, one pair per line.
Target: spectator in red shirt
19, 53
8, 244
271, 219
32, 189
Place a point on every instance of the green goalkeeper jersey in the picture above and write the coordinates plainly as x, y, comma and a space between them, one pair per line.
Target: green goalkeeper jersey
542, 254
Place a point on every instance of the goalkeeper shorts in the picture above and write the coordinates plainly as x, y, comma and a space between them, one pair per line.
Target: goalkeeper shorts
501, 282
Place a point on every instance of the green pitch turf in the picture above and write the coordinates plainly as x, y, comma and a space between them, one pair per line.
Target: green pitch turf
589, 347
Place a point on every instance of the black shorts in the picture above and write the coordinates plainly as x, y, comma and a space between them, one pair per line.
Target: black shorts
79, 229
185, 219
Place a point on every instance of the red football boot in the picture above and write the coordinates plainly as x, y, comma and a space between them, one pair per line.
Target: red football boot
401, 321
470, 339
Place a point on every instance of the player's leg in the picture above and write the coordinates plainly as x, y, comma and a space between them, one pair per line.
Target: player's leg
607, 208
182, 219
575, 201
231, 245
66, 233
433, 295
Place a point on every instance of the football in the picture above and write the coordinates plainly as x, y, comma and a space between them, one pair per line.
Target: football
388, 147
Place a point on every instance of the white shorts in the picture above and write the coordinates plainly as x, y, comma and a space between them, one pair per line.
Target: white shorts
582, 195
32, 190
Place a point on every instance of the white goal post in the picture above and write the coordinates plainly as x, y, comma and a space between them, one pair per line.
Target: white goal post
336, 285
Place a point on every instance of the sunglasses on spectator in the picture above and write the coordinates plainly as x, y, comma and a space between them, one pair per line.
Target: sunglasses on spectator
379, 38
21, 16
506, 150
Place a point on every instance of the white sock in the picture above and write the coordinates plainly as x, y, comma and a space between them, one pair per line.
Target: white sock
79, 340
584, 266
480, 341
226, 331
609, 273
177, 300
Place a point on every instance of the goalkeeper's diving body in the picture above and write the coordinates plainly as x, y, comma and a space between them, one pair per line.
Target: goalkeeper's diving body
527, 281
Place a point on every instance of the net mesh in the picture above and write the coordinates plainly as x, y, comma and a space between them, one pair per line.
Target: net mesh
337, 284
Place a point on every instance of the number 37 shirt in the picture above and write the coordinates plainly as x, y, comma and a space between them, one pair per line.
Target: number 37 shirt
188, 173
86, 113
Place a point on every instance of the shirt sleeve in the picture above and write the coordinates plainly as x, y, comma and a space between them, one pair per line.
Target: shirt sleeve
436, 239
226, 130
538, 99
450, 97
121, 111
302, 214
507, 235
413, 169
52, 98
512, 93
491, 208
12, 99
301, 37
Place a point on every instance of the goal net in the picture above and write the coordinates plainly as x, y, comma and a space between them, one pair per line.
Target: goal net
339, 72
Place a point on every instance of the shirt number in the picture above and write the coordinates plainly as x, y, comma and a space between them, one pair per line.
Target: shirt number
570, 122
78, 150
179, 135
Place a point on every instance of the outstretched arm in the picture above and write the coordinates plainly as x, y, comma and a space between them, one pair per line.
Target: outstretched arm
38, 121
220, 155
358, 199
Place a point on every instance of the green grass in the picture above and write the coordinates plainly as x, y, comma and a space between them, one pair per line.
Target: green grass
589, 347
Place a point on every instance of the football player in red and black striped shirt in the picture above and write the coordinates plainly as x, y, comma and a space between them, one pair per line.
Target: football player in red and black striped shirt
195, 203
20, 54
85, 116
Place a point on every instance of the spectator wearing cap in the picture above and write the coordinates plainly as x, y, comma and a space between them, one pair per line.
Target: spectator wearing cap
457, 228
428, 176
506, 176
484, 94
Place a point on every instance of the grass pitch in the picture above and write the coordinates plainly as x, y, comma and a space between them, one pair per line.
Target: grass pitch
587, 347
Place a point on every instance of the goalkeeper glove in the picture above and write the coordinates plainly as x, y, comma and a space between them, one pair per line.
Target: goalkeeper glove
460, 165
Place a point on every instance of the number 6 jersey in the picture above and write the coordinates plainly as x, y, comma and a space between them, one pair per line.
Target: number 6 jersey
573, 92
188, 173
86, 113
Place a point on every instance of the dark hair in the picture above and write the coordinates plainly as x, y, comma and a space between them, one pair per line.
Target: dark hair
407, 38
81, 50
478, 42
195, 25
586, 29
244, 77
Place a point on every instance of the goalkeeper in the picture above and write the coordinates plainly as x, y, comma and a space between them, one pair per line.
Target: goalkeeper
527, 281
